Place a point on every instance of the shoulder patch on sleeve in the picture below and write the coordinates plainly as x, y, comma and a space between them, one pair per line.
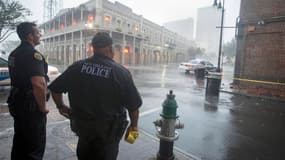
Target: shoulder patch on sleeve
38, 56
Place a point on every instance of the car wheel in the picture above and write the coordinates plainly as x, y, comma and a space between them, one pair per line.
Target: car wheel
206, 72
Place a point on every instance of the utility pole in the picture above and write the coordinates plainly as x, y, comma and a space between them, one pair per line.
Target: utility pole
51, 7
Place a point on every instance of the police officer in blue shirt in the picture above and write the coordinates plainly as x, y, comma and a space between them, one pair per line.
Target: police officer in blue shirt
99, 91
27, 99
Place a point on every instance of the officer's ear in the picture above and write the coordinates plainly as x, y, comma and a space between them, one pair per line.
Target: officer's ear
111, 48
30, 37
111, 52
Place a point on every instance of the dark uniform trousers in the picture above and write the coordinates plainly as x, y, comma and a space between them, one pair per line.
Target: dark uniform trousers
30, 134
100, 142
96, 149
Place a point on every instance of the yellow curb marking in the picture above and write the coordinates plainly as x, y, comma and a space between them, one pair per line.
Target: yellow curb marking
258, 81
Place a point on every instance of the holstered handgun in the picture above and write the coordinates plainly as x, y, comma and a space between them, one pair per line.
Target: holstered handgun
118, 127
12, 101
47, 94
73, 125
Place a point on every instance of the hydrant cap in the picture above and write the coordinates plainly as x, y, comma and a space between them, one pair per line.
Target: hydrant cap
169, 106
170, 95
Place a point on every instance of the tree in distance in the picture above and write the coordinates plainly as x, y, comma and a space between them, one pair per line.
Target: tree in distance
12, 12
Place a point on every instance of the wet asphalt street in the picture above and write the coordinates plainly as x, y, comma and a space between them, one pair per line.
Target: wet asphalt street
239, 128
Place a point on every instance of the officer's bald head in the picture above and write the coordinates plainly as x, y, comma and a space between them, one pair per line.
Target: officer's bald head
24, 29
102, 40
102, 44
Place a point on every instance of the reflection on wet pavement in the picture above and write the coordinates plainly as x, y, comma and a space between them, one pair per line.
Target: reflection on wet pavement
229, 127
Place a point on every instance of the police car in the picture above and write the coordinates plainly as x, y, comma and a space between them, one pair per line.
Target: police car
4, 72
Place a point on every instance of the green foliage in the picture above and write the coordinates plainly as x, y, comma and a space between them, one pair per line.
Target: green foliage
11, 14
229, 48
200, 51
8, 46
195, 51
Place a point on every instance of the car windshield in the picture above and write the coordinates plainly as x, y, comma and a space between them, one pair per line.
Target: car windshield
209, 64
194, 62
3, 62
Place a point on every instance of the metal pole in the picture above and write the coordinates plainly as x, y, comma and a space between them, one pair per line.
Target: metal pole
214, 79
221, 37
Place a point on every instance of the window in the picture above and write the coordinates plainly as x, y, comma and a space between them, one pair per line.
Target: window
107, 20
137, 28
119, 23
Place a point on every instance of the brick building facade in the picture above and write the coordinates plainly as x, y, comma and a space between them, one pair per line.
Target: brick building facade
260, 59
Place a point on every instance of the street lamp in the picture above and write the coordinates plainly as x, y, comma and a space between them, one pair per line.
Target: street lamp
220, 5
214, 79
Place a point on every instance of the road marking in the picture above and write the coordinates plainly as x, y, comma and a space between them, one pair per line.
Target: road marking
4, 104
4, 114
147, 112
58, 122
72, 146
6, 131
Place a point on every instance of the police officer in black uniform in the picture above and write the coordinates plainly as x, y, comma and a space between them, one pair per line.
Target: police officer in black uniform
100, 91
27, 99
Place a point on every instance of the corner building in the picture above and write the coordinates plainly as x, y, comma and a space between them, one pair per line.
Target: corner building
67, 37
260, 59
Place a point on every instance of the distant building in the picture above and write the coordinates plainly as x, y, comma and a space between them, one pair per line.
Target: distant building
207, 33
184, 27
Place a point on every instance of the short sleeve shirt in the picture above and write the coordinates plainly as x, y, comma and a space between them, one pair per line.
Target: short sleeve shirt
25, 62
98, 87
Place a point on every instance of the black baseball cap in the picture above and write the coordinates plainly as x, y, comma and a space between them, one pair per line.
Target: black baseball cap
101, 40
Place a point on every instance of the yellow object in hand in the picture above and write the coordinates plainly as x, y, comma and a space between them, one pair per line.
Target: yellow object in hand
132, 136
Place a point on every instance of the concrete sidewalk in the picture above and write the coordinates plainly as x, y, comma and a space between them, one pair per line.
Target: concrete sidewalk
61, 145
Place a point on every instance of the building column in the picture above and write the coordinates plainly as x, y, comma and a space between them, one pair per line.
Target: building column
134, 51
64, 51
80, 45
141, 51
73, 50
54, 55
124, 46
65, 25
142, 40
72, 47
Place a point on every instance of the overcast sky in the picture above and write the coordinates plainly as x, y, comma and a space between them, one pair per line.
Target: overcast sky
158, 11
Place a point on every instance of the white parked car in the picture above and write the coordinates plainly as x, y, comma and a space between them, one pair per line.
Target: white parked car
4, 72
52, 72
194, 64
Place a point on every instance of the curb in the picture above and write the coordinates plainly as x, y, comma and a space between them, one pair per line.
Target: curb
176, 149
238, 92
